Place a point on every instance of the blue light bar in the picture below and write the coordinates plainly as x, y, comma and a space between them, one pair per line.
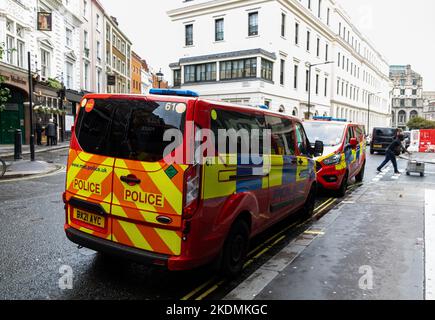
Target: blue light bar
322, 118
172, 92
339, 120
264, 107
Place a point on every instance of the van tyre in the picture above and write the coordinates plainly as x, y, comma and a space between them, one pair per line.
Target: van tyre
235, 249
360, 177
308, 209
343, 188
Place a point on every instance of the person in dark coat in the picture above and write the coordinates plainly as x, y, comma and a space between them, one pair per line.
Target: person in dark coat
55, 134
39, 129
392, 150
50, 132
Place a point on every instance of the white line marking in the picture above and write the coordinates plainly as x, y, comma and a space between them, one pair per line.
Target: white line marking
430, 244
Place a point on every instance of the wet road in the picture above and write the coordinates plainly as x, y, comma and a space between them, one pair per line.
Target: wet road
35, 251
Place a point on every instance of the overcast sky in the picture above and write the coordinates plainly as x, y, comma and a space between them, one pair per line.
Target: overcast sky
403, 31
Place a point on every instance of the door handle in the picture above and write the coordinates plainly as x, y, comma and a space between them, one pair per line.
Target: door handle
130, 180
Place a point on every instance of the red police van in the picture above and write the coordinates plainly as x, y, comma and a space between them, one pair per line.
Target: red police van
344, 154
125, 196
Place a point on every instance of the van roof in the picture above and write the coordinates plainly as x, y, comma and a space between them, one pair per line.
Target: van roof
174, 98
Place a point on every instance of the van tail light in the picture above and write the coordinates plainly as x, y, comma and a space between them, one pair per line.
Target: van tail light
192, 182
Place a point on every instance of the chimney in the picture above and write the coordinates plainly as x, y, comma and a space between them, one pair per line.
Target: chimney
114, 20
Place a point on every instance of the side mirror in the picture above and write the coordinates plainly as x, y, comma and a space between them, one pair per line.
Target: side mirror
353, 143
318, 148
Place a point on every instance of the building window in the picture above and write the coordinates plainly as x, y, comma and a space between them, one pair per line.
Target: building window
296, 33
86, 76
69, 75
10, 49
189, 35
200, 72
319, 9
98, 22
68, 37
281, 72
177, 78
253, 23
20, 53
283, 22
45, 63
328, 16
98, 50
85, 8
414, 102
308, 40
219, 30
99, 81
295, 76
326, 52
318, 48
266, 69
307, 80
238, 69
326, 87
317, 83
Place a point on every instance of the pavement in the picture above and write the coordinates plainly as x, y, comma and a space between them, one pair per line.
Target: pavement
7, 151
25, 168
370, 247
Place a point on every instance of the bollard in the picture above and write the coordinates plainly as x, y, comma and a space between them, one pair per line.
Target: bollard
18, 145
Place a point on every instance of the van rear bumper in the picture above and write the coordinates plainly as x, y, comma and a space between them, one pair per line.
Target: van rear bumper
119, 250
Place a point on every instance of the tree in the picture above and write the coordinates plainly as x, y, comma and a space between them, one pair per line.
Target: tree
418, 123
4, 92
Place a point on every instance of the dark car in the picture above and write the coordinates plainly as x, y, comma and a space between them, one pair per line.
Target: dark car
381, 139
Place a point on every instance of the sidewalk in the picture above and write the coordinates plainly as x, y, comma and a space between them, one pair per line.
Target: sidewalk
422, 157
7, 151
24, 168
366, 249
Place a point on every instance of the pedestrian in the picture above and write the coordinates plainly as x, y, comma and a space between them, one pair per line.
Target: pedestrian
395, 148
39, 129
50, 132
55, 135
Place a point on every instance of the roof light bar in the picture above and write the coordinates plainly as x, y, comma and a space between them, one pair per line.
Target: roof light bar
172, 92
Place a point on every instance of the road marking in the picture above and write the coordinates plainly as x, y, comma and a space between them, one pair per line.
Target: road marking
195, 291
315, 232
429, 213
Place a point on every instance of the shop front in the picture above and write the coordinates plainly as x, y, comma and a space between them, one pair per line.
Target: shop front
14, 114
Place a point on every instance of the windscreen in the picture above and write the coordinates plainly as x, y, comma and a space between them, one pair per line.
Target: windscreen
129, 129
385, 132
330, 134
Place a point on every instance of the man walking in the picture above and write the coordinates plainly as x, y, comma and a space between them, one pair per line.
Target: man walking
50, 132
391, 153
39, 129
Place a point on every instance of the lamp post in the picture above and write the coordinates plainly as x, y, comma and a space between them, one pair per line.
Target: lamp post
32, 133
368, 110
310, 66
160, 76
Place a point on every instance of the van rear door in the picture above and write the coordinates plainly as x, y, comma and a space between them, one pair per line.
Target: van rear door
90, 172
147, 191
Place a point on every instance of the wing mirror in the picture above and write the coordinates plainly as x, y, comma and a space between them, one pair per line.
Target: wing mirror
353, 143
318, 149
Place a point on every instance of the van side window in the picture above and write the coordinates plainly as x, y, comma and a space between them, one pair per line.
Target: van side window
238, 121
283, 136
302, 140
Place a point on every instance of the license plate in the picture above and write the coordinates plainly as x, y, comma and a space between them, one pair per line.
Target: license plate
90, 218
378, 146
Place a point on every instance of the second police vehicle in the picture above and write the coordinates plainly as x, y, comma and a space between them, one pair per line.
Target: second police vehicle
344, 156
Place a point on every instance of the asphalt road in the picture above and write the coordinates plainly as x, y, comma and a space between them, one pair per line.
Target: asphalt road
35, 252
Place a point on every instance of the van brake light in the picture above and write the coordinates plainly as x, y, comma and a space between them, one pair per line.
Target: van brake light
191, 186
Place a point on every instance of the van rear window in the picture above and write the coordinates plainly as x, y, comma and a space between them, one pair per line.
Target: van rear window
387, 132
129, 129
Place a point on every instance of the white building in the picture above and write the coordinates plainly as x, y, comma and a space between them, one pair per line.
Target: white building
258, 52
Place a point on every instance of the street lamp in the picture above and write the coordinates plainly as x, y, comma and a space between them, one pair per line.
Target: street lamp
368, 109
309, 84
160, 76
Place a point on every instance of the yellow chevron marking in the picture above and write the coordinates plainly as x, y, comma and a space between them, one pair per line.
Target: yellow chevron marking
135, 236
172, 240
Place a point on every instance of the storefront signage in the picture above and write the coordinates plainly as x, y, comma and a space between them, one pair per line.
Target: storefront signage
13, 78
111, 80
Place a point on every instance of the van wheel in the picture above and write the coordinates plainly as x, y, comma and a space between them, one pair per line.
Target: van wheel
343, 188
235, 249
372, 152
308, 209
360, 177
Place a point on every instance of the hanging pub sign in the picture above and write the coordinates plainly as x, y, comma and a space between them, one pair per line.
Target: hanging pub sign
45, 21
111, 80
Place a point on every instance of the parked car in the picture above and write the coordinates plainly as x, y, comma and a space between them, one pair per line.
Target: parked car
381, 139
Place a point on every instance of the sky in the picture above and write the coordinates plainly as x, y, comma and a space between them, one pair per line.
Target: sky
403, 31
